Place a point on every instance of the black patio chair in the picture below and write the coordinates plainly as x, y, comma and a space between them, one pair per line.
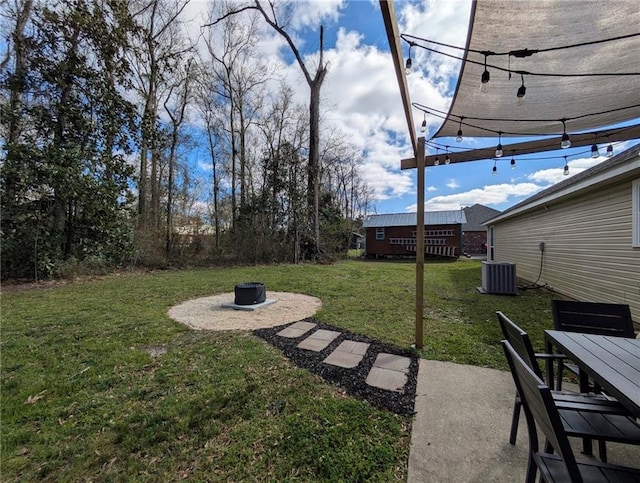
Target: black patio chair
541, 411
589, 318
577, 405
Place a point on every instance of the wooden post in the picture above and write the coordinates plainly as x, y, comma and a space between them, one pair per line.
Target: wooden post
420, 245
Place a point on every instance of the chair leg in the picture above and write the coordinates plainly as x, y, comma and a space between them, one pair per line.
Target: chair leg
532, 469
517, 404
602, 450
560, 371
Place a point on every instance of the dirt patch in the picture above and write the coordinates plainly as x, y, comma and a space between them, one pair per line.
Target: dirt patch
207, 313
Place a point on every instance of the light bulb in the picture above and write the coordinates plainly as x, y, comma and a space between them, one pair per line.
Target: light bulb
423, 128
522, 91
447, 159
499, 151
494, 171
566, 170
484, 81
513, 163
459, 136
566, 142
436, 161
594, 151
609, 150
407, 67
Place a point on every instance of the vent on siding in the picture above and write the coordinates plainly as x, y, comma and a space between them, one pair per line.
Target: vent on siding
498, 278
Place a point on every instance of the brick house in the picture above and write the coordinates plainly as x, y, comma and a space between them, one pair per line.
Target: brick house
474, 233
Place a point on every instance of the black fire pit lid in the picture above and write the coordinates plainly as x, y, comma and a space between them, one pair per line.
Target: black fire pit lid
250, 293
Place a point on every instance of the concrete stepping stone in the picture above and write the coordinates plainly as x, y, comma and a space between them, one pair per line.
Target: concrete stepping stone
296, 330
389, 372
319, 340
348, 354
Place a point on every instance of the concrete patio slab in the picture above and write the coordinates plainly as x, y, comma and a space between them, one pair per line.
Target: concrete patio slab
392, 362
319, 340
387, 379
296, 330
389, 372
348, 354
461, 428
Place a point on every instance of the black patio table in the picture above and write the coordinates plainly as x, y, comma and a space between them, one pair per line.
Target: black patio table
613, 362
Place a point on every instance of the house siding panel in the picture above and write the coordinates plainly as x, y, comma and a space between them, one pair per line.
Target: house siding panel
588, 247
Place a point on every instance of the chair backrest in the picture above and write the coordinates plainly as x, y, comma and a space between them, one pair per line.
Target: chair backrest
520, 341
592, 318
540, 411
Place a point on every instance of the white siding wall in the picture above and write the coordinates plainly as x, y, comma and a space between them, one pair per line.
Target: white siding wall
588, 247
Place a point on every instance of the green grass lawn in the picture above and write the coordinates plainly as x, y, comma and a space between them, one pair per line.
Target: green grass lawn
99, 384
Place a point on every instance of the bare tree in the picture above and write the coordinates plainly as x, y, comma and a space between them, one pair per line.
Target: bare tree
156, 53
176, 114
210, 111
314, 80
241, 75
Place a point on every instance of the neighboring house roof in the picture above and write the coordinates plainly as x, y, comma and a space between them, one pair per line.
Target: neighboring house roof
476, 215
623, 165
451, 217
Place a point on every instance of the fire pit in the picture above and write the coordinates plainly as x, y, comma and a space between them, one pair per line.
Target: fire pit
250, 293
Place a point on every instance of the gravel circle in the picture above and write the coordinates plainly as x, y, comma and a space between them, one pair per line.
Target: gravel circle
352, 381
207, 313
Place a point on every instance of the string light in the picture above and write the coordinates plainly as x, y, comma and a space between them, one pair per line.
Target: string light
459, 136
565, 171
522, 91
494, 171
594, 151
447, 158
520, 53
445, 116
499, 151
434, 145
486, 77
423, 127
407, 66
436, 161
566, 142
609, 151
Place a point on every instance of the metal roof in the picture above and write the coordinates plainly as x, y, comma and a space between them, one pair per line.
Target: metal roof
450, 217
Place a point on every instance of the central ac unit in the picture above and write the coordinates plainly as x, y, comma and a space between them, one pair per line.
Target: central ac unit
498, 278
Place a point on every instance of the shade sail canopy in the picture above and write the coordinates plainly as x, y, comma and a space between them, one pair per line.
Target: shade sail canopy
586, 99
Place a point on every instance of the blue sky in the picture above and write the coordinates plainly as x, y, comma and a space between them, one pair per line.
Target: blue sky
361, 98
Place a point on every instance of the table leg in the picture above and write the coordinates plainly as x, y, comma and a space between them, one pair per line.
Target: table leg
587, 443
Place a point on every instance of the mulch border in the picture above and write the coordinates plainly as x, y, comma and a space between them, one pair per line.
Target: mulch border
352, 381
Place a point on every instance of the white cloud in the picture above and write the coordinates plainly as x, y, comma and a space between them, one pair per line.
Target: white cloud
452, 183
554, 175
312, 14
360, 95
488, 195
386, 184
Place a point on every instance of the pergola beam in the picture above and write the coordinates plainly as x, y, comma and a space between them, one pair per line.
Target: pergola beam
604, 136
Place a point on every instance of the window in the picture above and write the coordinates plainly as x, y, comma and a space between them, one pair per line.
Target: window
635, 216
380, 233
